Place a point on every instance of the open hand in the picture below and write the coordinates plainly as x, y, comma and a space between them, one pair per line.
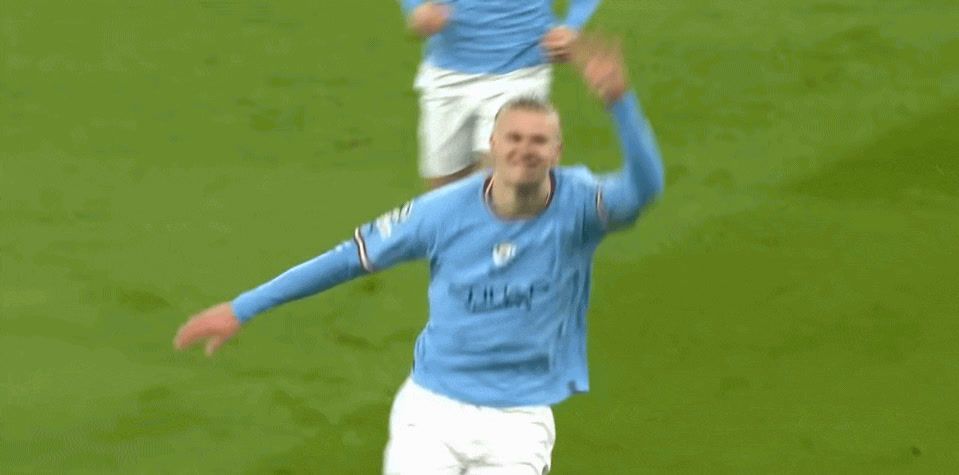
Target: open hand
216, 325
600, 62
558, 43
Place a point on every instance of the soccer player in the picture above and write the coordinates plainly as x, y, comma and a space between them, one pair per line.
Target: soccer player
478, 55
510, 256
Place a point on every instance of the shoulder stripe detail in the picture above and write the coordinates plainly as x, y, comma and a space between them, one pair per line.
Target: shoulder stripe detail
361, 249
601, 207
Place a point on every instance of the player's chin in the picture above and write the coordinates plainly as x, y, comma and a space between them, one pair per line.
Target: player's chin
528, 176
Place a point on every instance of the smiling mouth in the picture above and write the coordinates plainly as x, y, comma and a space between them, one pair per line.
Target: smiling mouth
528, 162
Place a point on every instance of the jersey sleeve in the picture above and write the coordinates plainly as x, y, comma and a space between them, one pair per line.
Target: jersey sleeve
402, 234
623, 194
394, 237
316, 275
587, 185
614, 201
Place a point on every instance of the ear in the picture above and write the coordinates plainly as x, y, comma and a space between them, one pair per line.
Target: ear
559, 153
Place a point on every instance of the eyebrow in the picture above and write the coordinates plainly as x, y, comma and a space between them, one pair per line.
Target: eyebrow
533, 135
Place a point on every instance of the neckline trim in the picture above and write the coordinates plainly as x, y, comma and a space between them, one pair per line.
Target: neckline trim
488, 197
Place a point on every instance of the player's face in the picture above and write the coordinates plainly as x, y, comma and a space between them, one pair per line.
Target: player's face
524, 146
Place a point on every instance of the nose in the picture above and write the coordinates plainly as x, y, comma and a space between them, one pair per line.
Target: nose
527, 149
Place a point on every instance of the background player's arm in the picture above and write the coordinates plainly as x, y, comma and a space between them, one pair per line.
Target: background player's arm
622, 195
390, 239
579, 12
558, 41
425, 18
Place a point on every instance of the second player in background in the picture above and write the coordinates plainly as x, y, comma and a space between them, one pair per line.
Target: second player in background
479, 54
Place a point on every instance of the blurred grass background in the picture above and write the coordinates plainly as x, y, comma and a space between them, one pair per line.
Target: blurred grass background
788, 307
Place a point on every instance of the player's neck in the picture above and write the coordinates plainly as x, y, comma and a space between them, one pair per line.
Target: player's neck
515, 202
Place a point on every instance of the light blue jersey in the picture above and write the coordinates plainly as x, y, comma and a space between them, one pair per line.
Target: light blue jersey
508, 298
497, 36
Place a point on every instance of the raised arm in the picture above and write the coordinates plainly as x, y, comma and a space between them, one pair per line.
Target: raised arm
626, 192
622, 195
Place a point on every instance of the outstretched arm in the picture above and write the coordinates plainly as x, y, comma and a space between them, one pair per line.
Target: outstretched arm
219, 323
392, 238
323, 272
623, 194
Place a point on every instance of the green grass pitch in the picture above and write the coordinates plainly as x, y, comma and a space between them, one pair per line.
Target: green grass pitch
789, 306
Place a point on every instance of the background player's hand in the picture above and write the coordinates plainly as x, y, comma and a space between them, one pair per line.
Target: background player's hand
428, 19
558, 43
600, 62
216, 325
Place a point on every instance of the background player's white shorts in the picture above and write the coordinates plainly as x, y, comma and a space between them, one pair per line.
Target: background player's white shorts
431, 434
457, 110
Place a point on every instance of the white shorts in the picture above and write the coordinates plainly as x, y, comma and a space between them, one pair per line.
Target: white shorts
431, 434
457, 110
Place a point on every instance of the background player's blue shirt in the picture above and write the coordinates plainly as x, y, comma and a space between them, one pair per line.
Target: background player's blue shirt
497, 36
508, 298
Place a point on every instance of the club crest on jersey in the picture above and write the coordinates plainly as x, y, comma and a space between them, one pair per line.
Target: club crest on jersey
503, 253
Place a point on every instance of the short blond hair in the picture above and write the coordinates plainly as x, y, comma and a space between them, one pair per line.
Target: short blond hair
527, 103
532, 104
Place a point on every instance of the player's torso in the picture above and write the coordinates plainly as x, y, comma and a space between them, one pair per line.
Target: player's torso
501, 270
508, 299
491, 267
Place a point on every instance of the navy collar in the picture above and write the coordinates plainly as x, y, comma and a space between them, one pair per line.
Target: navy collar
488, 189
